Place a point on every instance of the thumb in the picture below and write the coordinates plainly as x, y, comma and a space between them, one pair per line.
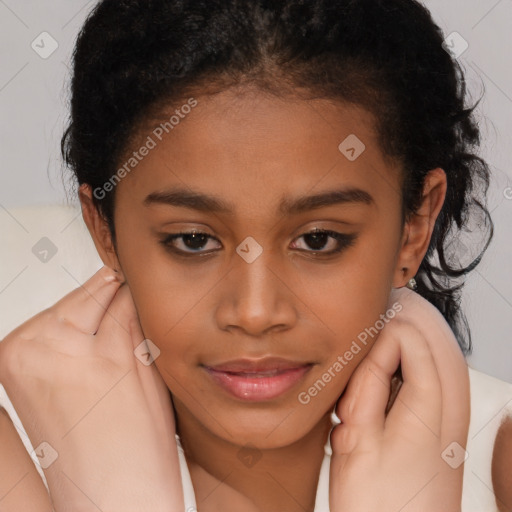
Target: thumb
123, 328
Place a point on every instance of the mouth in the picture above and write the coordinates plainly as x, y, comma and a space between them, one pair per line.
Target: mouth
258, 380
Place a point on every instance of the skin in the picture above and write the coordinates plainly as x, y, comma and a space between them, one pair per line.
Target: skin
252, 150
21, 487
501, 474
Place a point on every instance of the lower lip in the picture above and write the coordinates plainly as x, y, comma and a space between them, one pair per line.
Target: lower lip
257, 389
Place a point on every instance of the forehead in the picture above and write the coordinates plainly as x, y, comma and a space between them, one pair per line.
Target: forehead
256, 149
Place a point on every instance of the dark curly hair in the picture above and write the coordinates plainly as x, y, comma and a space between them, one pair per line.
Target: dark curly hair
135, 57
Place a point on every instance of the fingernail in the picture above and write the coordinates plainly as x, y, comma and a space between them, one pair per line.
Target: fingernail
111, 275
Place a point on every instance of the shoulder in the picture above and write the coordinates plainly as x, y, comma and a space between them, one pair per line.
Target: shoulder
485, 469
502, 465
21, 487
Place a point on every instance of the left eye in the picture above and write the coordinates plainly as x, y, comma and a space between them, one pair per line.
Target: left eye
193, 241
317, 239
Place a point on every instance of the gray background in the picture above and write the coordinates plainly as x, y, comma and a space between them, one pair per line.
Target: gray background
33, 109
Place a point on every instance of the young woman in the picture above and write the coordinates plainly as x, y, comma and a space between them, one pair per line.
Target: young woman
265, 178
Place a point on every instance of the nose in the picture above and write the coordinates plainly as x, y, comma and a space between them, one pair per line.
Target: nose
257, 297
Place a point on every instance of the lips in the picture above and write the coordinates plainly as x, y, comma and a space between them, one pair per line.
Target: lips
257, 366
258, 380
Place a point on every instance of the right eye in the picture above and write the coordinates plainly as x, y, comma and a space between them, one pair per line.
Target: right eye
191, 243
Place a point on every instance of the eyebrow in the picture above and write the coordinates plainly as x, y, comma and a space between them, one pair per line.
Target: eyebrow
185, 198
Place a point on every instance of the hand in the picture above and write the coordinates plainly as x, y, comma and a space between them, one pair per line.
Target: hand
394, 462
73, 378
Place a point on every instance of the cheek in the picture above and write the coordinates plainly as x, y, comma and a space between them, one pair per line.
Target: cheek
353, 311
165, 298
350, 293
171, 321
329, 380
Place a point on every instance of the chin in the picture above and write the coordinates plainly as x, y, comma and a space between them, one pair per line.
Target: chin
267, 430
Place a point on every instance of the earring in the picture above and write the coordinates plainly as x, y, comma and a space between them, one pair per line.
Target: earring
412, 285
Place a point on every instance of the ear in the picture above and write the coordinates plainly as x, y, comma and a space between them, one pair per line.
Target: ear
99, 230
418, 229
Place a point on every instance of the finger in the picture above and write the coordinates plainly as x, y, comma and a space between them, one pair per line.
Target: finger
159, 402
363, 402
449, 361
155, 389
419, 399
419, 402
85, 306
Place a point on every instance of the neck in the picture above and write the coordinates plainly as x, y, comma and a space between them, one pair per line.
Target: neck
228, 477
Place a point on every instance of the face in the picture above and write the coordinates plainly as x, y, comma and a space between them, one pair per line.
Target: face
255, 281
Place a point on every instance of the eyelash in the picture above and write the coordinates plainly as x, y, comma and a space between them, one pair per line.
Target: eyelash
344, 241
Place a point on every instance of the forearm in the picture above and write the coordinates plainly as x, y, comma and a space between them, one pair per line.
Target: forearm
110, 473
